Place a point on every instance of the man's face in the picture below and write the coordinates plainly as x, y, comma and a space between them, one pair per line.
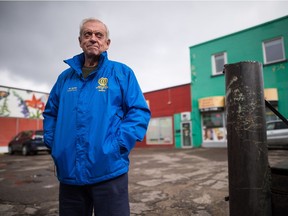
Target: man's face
93, 39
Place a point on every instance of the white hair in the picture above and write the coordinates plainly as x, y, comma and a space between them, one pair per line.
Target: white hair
93, 20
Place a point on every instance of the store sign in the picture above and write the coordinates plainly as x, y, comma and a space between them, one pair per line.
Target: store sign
216, 103
271, 94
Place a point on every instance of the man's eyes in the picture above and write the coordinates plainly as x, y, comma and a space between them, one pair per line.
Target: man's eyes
89, 34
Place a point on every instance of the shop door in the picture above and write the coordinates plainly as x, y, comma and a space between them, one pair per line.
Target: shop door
186, 137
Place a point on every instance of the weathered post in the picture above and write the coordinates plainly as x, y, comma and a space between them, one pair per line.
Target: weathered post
248, 166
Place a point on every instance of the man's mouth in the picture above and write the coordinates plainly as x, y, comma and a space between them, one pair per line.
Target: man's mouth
93, 47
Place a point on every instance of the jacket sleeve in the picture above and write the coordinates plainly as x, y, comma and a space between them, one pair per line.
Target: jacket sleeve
50, 116
137, 114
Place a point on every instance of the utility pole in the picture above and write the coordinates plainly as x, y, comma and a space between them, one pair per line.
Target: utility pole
248, 166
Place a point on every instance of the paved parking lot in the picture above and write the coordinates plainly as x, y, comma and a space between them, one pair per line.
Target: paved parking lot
166, 182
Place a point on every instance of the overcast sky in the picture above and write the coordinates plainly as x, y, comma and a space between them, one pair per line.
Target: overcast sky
153, 38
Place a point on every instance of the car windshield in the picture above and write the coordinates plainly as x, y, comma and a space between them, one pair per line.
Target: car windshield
271, 126
38, 134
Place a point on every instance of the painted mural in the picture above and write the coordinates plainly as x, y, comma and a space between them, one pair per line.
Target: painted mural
21, 103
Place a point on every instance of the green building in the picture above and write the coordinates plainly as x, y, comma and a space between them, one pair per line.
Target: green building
266, 43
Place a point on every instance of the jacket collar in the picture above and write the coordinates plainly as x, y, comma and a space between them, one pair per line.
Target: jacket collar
77, 61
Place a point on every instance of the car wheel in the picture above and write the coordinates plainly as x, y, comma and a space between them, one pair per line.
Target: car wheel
10, 150
25, 150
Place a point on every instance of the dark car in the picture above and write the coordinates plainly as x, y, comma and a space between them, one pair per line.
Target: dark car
277, 134
27, 142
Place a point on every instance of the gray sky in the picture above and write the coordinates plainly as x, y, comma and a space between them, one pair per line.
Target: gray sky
153, 38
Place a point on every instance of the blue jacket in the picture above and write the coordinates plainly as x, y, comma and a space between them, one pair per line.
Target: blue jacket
92, 124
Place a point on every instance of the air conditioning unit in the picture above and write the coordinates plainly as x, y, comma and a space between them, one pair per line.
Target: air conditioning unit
185, 116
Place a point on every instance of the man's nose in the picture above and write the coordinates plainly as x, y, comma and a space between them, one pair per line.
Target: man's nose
94, 37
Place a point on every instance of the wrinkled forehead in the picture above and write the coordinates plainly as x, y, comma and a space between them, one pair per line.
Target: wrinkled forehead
94, 25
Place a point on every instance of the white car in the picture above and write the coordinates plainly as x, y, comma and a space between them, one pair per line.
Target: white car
277, 134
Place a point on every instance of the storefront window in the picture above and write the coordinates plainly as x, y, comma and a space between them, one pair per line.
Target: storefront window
213, 126
160, 131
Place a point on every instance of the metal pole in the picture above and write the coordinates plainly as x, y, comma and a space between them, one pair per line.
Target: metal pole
248, 167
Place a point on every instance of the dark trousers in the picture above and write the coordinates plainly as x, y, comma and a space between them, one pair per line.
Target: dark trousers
109, 198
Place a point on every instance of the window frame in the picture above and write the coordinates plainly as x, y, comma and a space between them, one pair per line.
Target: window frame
264, 45
213, 60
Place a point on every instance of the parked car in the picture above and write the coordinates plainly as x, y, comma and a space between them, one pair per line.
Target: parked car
277, 134
28, 142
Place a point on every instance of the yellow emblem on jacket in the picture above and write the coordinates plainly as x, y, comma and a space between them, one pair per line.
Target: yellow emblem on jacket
102, 84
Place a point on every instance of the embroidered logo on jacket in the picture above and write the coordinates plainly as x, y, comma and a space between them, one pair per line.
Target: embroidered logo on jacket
71, 89
102, 84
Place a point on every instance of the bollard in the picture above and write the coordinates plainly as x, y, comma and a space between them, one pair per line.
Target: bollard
248, 167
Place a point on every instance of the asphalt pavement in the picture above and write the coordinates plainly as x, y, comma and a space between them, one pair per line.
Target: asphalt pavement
162, 182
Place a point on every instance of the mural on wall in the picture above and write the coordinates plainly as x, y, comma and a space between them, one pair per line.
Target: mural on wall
20, 103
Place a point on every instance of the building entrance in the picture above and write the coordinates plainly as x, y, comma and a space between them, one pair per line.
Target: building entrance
186, 138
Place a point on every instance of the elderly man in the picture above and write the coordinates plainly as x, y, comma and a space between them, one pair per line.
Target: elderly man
95, 113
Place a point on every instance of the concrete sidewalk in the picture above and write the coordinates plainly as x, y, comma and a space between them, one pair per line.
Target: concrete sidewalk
179, 182
184, 182
162, 182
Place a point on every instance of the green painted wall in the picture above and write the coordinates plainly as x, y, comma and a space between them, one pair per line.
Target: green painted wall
177, 130
245, 45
